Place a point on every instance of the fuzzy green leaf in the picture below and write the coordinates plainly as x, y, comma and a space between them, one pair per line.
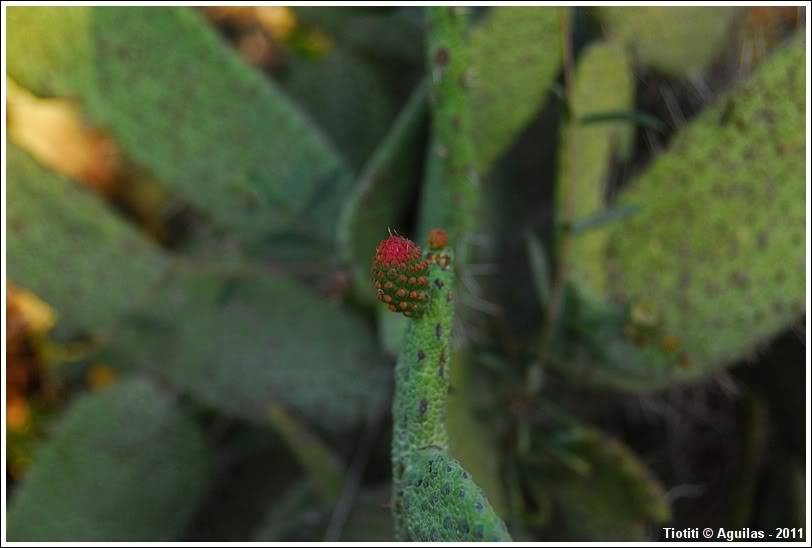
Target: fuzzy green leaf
49, 48
680, 40
716, 253
68, 247
243, 341
346, 97
214, 130
603, 81
126, 464
442, 503
515, 57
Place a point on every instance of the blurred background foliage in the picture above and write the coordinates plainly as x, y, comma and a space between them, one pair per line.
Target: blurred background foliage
193, 199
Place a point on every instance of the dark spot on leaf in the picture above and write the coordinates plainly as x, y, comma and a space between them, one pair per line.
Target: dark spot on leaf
420, 355
441, 57
438, 331
479, 532
465, 79
740, 279
780, 276
424, 406
439, 283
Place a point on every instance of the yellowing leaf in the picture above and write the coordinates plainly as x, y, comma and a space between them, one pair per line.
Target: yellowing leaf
53, 132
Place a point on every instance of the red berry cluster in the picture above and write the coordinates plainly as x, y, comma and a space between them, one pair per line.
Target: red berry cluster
398, 272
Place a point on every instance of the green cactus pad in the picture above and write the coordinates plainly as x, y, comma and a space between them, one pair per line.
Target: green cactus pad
442, 503
714, 260
125, 464
49, 48
515, 57
242, 340
72, 250
419, 435
345, 96
679, 40
603, 82
603, 488
211, 128
421, 378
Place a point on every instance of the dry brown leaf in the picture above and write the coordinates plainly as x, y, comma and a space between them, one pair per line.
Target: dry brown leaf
54, 132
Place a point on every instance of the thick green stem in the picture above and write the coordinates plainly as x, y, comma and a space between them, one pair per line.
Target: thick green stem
421, 380
433, 496
449, 82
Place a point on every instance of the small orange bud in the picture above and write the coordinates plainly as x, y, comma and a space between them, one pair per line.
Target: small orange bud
438, 239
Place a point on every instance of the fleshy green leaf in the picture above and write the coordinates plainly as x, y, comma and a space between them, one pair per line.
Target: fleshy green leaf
49, 48
515, 56
242, 341
346, 98
716, 252
69, 248
680, 40
603, 81
126, 464
214, 130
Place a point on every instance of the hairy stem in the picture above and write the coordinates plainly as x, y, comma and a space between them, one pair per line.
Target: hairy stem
451, 116
421, 381
434, 497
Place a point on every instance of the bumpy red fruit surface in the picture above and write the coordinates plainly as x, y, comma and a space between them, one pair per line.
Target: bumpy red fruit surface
399, 275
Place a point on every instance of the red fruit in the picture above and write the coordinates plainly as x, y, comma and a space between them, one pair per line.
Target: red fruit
398, 270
